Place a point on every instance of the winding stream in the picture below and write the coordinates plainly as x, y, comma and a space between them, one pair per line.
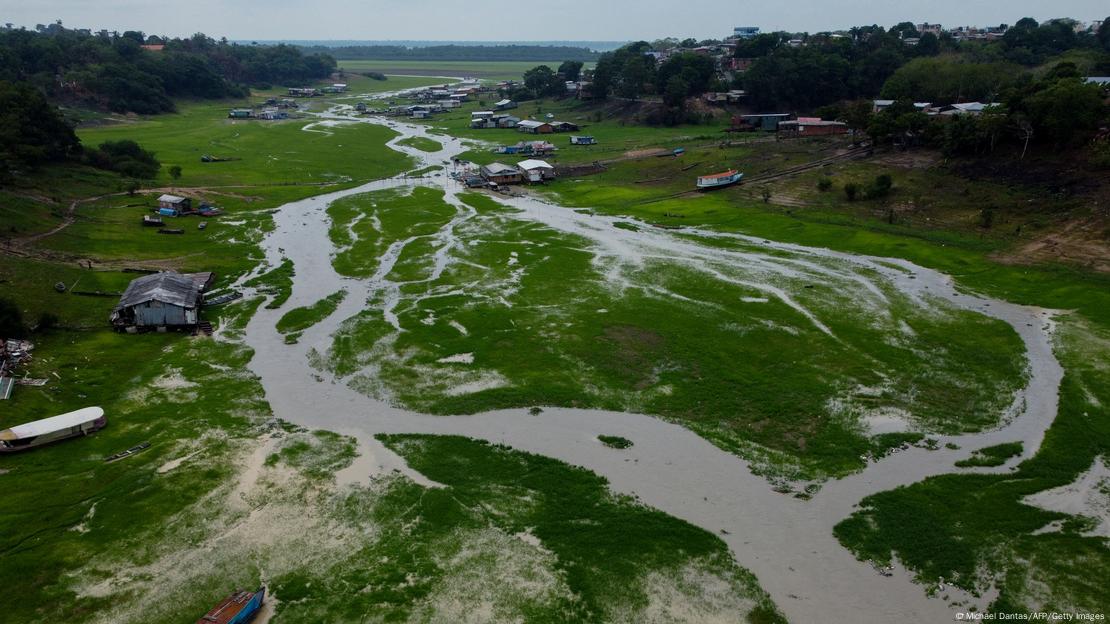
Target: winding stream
788, 543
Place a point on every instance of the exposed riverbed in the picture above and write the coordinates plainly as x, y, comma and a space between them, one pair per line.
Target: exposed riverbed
787, 542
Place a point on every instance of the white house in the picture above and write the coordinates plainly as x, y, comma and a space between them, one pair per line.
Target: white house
536, 170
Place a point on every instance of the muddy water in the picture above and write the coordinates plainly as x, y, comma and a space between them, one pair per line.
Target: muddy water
786, 542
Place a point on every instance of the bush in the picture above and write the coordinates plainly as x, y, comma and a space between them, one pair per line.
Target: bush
851, 191
125, 157
11, 319
880, 187
824, 184
47, 322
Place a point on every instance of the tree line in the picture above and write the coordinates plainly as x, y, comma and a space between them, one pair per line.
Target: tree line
113, 71
457, 53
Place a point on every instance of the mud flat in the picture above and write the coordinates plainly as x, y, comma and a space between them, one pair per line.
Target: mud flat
787, 542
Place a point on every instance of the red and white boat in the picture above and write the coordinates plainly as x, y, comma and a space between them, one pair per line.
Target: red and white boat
719, 180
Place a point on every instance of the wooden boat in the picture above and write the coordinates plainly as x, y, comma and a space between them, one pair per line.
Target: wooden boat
171, 231
138, 448
29, 435
719, 180
238, 608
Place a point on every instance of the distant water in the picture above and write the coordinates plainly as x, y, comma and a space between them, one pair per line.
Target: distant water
598, 46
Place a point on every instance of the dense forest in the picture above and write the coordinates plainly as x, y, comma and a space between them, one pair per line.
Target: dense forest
132, 72
1033, 76
457, 53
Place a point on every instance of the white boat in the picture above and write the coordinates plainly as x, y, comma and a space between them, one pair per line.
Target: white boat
718, 180
29, 435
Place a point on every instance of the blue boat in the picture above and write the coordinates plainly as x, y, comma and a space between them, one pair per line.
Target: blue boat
238, 608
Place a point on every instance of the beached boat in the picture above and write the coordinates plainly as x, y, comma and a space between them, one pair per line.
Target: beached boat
238, 608
40, 432
719, 180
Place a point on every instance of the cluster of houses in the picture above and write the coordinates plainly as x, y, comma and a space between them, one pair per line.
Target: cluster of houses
947, 110
272, 109
496, 174
493, 119
307, 92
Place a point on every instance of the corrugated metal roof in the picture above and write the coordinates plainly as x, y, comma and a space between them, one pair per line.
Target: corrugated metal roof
534, 164
528, 123
169, 287
52, 424
499, 169
173, 199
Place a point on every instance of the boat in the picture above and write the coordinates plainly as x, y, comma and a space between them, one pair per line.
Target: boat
72, 424
719, 180
138, 448
152, 221
202, 225
239, 607
171, 231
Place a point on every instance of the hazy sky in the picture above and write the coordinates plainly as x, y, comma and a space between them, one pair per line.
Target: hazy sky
602, 20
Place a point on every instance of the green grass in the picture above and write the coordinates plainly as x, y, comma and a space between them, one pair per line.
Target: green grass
300, 319
490, 70
422, 143
616, 442
974, 531
278, 281
991, 455
525, 317
271, 152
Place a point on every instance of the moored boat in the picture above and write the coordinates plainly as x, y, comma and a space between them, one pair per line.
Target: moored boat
719, 180
29, 435
238, 608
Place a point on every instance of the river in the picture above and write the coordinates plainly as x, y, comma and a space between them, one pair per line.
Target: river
787, 542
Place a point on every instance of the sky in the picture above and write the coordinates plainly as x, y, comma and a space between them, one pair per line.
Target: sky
501, 20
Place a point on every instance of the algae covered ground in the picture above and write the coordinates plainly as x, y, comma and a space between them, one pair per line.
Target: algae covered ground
482, 308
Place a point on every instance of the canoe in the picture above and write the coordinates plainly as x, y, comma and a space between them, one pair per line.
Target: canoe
239, 607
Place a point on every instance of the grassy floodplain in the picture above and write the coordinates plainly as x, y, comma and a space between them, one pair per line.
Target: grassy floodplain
489, 70
227, 497
527, 316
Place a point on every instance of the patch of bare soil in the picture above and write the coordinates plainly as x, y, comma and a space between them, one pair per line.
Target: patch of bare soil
1084, 242
909, 159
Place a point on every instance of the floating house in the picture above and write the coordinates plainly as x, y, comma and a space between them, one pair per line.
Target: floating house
161, 301
40, 432
172, 205
505, 105
536, 170
582, 140
500, 173
564, 126
240, 113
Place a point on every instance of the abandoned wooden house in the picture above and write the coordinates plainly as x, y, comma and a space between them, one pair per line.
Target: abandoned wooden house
810, 127
161, 301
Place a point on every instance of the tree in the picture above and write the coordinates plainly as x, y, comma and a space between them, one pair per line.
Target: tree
1104, 34
851, 191
570, 70
31, 131
541, 81
674, 95
929, 45
1066, 110
175, 172
11, 319
125, 157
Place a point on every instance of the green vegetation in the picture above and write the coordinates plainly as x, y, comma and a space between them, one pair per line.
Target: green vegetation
524, 310
463, 54
991, 455
616, 442
975, 531
423, 144
318, 455
116, 73
278, 281
290, 152
490, 70
300, 319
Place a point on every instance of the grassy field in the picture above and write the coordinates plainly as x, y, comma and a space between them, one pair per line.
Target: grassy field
527, 316
268, 153
490, 70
